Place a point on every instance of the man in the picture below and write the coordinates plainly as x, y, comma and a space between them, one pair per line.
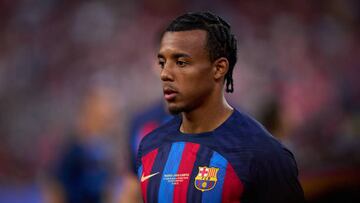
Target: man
210, 152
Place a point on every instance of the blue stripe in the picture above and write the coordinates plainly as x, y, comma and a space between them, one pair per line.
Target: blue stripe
214, 195
158, 167
140, 170
166, 189
202, 159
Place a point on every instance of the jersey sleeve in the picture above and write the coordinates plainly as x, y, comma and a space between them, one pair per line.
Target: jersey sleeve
275, 178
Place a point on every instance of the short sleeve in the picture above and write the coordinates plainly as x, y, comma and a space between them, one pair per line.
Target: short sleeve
275, 178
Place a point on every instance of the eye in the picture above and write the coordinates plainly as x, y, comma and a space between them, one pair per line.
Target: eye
161, 64
181, 63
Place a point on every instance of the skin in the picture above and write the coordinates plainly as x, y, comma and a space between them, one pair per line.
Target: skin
192, 84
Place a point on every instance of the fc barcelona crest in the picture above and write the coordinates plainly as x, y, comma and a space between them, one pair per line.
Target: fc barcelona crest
206, 178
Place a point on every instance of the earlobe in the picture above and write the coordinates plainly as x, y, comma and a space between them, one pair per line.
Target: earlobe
221, 67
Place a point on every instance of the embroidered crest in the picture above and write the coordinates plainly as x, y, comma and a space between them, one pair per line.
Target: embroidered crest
206, 178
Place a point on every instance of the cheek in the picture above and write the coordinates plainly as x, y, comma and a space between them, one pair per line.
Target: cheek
198, 85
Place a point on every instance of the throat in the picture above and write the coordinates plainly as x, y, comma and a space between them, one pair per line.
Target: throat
204, 121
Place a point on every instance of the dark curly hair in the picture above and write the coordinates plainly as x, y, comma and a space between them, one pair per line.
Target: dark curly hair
220, 41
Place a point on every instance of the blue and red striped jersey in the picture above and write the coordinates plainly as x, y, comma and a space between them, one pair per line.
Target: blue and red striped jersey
237, 162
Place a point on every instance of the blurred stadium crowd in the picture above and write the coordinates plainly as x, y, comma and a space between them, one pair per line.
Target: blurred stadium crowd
79, 71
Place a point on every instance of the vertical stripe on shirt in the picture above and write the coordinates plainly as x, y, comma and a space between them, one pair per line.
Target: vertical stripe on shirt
145, 170
186, 166
233, 187
214, 195
158, 167
140, 171
166, 189
202, 159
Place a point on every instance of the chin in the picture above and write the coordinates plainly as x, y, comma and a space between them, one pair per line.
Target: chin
174, 110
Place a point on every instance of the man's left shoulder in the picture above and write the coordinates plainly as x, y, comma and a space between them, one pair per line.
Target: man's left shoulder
246, 132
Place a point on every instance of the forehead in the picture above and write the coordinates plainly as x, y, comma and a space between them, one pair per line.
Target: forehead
190, 42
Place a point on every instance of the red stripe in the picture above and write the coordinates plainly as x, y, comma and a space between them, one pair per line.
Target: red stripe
186, 166
147, 163
233, 187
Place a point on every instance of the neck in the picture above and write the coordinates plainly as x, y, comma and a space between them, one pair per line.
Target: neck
206, 118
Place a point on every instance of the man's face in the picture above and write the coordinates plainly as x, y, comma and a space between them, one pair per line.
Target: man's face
186, 71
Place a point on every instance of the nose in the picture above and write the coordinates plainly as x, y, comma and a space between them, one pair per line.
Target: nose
166, 74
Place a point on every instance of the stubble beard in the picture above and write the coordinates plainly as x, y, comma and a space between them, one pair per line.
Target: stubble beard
175, 110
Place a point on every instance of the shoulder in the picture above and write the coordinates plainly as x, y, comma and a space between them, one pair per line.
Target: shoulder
261, 159
245, 142
244, 131
265, 143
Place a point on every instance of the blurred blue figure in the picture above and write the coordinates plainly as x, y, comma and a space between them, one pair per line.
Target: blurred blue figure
86, 168
84, 171
29, 193
145, 122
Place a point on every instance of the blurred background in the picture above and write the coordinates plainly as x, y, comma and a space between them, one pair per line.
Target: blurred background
79, 87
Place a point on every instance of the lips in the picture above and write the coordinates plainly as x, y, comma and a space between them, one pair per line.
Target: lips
169, 93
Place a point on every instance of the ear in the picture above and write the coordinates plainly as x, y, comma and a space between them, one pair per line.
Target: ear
221, 67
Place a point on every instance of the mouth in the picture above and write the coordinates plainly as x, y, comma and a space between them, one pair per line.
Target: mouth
169, 93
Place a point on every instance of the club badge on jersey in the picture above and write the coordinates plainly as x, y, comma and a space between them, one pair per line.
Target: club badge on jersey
206, 178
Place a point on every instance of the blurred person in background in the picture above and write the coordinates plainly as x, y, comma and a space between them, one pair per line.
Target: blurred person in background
87, 168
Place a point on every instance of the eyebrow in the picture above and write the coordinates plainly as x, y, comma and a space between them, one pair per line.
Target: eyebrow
176, 55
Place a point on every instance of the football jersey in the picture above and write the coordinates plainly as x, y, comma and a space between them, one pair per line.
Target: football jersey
237, 162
